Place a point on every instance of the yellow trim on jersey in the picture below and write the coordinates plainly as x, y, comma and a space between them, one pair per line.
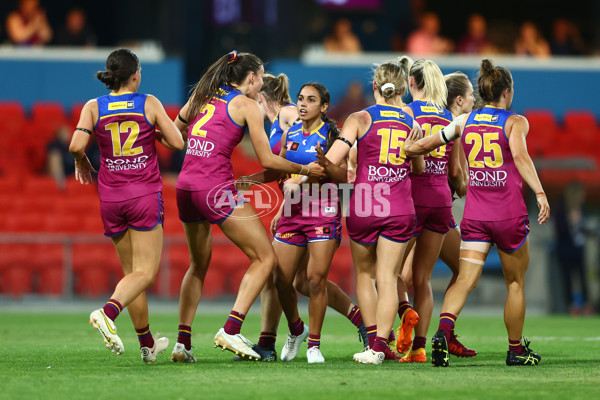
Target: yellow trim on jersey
491, 126
120, 94
392, 120
114, 115
389, 105
220, 99
316, 130
497, 108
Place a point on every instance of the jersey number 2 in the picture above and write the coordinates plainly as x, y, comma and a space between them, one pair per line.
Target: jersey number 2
208, 110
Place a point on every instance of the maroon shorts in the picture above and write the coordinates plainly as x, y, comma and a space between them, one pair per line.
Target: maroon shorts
290, 231
213, 206
399, 228
140, 213
436, 219
509, 235
453, 223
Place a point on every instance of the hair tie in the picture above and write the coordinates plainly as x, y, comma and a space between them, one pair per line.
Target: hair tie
388, 85
233, 56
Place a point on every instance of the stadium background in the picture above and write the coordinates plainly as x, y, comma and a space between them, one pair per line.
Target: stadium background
50, 237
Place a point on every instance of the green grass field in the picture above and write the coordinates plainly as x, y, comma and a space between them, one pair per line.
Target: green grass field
59, 356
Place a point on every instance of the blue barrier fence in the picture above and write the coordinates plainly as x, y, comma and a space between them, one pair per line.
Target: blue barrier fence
557, 84
65, 77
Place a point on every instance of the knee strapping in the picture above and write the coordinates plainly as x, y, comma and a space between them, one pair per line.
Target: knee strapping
482, 247
473, 260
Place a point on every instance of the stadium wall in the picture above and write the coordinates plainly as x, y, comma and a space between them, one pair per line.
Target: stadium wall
69, 76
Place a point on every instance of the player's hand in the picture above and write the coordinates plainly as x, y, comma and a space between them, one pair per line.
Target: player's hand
315, 170
243, 183
275, 220
351, 175
544, 207
322, 160
415, 134
291, 188
83, 170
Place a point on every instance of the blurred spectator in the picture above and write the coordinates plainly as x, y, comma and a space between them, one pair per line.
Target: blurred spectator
566, 39
475, 41
75, 32
60, 163
426, 39
409, 14
28, 24
531, 42
571, 234
342, 39
354, 100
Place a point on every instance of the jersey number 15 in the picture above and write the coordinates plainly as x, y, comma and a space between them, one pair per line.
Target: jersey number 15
391, 139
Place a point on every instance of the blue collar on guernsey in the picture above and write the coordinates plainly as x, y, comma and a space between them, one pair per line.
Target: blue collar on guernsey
227, 88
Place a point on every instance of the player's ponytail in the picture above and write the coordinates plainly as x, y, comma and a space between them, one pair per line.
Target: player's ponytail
120, 65
492, 81
276, 89
429, 78
334, 131
391, 77
233, 67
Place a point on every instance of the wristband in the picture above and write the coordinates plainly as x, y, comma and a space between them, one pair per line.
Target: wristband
443, 137
301, 170
540, 194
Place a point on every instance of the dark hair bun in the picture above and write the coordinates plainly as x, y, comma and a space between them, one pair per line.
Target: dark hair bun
487, 67
106, 77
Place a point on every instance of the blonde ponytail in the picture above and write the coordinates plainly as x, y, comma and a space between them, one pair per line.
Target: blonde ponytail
391, 77
429, 79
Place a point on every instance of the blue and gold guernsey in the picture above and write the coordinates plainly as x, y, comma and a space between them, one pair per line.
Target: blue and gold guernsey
301, 149
128, 161
382, 162
212, 136
495, 190
276, 132
431, 188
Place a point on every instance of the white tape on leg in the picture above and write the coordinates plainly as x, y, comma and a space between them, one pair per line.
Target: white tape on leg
472, 260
